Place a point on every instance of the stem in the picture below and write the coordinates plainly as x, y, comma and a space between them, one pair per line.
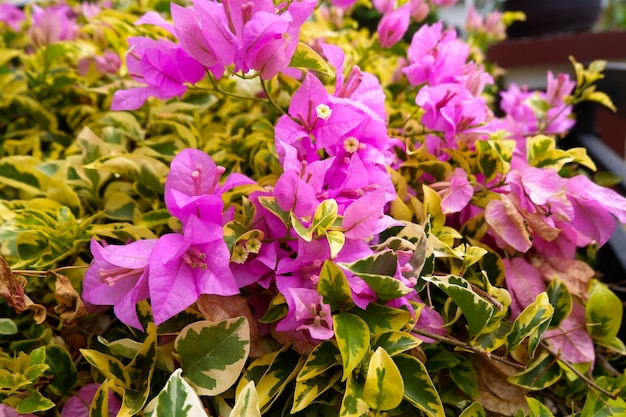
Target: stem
583, 377
227, 93
458, 343
269, 97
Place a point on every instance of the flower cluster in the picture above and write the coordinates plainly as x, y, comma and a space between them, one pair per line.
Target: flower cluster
249, 36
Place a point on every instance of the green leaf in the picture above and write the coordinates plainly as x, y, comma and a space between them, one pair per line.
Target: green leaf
247, 403
129, 348
100, 403
533, 320
378, 272
336, 240
146, 170
33, 403
600, 405
325, 215
474, 410
284, 367
176, 399
277, 309
306, 58
353, 404
418, 387
384, 387
333, 287
309, 390
21, 172
302, 231
324, 356
561, 299
603, 313
353, 339
537, 409
476, 309
272, 206
540, 373
213, 354
464, 376
62, 367
380, 318
140, 368
7, 327
494, 156
112, 368
395, 342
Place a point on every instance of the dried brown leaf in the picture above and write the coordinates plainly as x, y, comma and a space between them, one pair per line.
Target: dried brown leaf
219, 307
70, 304
12, 288
495, 393
575, 274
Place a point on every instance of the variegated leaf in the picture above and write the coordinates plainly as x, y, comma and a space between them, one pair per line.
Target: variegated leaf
384, 387
333, 286
353, 340
176, 399
540, 373
323, 357
247, 404
531, 321
418, 387
306, 58
336, 240
213, 354
474, 410
111, 367
308, 390
395, 342
561, 299
603, 313
380, 318
476, 309
537, 409
282, 369
353, 404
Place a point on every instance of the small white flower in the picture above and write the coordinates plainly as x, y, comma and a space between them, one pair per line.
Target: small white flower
323, 111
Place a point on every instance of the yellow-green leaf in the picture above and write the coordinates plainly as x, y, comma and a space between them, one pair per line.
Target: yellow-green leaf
247, 403
384, 387
213, 354
306, 58
418, 386
333, 286
353, 340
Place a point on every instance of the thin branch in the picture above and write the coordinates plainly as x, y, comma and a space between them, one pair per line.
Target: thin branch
458, 343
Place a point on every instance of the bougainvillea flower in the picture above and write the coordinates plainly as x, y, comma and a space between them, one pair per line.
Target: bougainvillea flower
308, 312
594, 207
365, 216
524, 283
52, 24
435, 56
6, 411
184, 266
163, 66
12, 16
456, 192
79, 404
394, 25
118, 277
203, 33
192, 186
557, 88
450, 108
